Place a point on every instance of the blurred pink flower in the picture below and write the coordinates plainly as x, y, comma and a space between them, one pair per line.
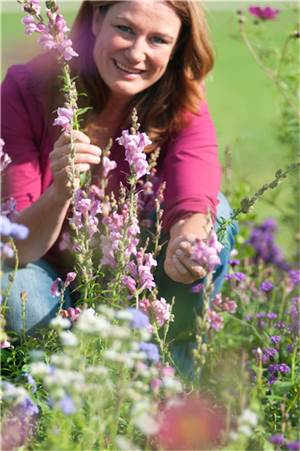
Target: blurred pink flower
215, 321
64, 118
191, 424
264, 13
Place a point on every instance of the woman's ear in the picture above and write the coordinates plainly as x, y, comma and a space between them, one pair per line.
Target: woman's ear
97, 21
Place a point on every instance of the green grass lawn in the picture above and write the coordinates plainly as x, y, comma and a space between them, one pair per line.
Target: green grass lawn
243, 102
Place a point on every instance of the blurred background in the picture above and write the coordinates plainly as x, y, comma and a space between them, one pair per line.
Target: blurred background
244, 103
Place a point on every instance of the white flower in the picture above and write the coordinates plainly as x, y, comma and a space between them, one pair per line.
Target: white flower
106, 311
248, 417
146, 424
124, 314
39, 369
124, 444
90, 323
60, 323
68, 339
172, 384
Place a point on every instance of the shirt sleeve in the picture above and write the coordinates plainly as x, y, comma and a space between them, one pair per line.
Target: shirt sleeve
192, 170
22, 177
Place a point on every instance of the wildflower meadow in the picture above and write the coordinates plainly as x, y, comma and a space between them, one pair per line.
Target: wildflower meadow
101, 376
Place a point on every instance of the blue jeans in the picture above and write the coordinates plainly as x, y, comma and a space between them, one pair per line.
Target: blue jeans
36, 279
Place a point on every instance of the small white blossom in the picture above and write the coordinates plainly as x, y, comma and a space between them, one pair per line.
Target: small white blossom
60, 323
146, 424
68, 338
248, 417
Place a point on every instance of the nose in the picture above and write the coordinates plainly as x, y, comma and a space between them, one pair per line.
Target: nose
136, 52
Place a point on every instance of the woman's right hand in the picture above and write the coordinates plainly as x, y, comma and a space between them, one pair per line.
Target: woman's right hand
85, 155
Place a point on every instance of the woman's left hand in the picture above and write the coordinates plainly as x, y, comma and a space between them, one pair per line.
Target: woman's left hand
179, 265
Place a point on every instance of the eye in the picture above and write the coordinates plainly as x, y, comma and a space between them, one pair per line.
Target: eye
124, 29
158, 40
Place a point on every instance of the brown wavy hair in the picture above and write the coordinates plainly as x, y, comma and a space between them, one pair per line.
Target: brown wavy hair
178, 91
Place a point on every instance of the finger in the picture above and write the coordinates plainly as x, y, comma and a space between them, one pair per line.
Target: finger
190, 238
58, 152
186, 247
191, 266
179, 266
77, 136
58, 164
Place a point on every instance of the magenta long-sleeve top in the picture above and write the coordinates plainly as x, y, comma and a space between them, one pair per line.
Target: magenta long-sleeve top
189, 162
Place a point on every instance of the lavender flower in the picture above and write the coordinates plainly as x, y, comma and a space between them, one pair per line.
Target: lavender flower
275, 339
294, 446
236, 276
262, 240
151, 351
66, 405
294, 276
14, 230
264, 13
266, 286
108, 165
277, 439
139, 319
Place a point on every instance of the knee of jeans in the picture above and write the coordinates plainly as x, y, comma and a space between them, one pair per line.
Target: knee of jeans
38, 306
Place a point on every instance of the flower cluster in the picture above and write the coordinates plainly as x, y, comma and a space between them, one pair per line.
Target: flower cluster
85, 212
206, 252
141, 277
54, 34
158, 310
134, 151
262, 241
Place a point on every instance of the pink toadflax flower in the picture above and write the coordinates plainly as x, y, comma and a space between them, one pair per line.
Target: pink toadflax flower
215, 321
56, 287
108, 165
206, 252
64, 118
5, 160
264, 13
134, 151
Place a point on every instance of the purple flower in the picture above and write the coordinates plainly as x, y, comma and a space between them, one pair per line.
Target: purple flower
277, 439
151, 351
266, 286
271, 315
66, 405
12, 229
30, 381
139, 319
283, 368
280, 325
275, 339
28, 408
234, 262
260, 315
64, 118
197, 288
290, 348
294, 276
294, 446
236, 276
262, 241
264, 13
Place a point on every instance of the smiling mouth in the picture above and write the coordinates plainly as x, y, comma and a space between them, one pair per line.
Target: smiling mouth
126, 69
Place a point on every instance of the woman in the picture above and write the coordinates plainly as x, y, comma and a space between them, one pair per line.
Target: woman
149, 54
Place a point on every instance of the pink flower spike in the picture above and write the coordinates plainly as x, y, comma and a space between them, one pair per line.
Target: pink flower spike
55, 287
30, 25
64, 118
71, 276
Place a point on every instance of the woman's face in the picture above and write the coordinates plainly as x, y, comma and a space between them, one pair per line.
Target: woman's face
134, 43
